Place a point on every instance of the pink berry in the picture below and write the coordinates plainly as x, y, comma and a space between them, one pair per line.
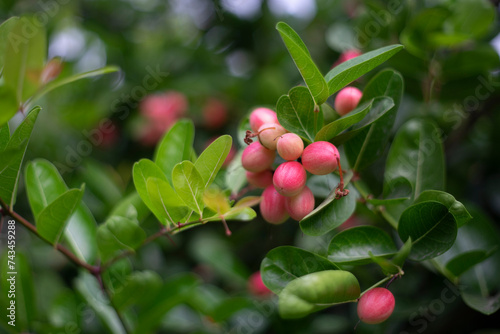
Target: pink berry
347, 100
289, 178
257, 158
256, 285
376, 305
346, 55
300, 205
260, 179
272, 206
269, 134
260, 116
290, 146
320, 158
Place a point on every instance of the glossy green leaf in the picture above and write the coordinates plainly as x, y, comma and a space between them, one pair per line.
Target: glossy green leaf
332, 129
118, 234
25, 53
415, 163
174, 291
403, 253
432, 228
131, 206
285, 263
296, 113
235, 174
354, 245
348, 71
175, 147
44, 184
478, 283
4, 136
366, 147
9, 176
52, 220
90, 291
302, 58
456, 208
23, 294
387, 266
330, 214
380, 107
211, 159
316, 291
8, 104
138, 287
5, 29
189, 185
165, 201
65, 81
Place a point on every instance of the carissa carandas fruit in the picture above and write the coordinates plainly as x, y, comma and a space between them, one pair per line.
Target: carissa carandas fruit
290, 146
289, 178
256, 158
320, 158
375, 306
272, 206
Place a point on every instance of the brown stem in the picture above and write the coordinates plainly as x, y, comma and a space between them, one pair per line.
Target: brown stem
69, 255
249, 135
340, 191
392, 280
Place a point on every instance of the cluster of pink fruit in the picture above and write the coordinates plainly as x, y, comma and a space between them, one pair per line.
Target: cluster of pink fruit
286, 194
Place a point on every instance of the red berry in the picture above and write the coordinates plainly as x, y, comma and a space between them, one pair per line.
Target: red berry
260, 179
260, 116
290, 146
346, 55
257, 158
300, 205
320, 158
214, 114
269, 134
256, 285
272, 206
347, 100
376, 305
289, 178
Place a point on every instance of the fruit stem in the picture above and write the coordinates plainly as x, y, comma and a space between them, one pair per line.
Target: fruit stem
340, 191
249, 135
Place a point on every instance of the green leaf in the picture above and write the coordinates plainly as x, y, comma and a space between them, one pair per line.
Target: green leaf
212, 158
175, 147
165, 201
102, 181
4, 136
370, 144
478, 283
189, 185
387, 266
354, 245
432, 228
286, 263
302, 58
139, 287
332, 129
53, 219
131, 206
456, 208
296, 113
380, 107
348, 71
330, 214
403, 253
415, 161
175, 290
5, 29
235, 174
316, 291
64, 81
8, 104
118, 234
24, 295
25, 55
90, 291
9, 176
44, 184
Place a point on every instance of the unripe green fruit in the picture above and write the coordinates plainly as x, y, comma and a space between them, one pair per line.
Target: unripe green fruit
256, 158
376, 305
269, 134
260, 179
272, 206
260, 116
347, 100
300, 205
290, 146
289, 178
320, 158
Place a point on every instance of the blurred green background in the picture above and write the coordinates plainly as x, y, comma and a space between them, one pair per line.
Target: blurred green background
229, 52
